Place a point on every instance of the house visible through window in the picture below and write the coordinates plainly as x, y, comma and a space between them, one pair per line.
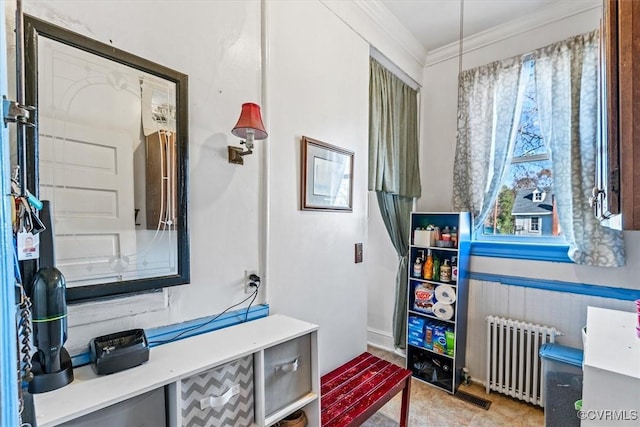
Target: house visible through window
525, 205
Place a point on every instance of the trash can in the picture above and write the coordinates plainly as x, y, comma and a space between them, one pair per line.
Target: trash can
562, 373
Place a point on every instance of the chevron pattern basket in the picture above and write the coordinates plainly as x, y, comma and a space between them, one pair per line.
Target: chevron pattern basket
233, 379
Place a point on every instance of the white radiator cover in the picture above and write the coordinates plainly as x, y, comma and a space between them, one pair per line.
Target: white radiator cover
513, 363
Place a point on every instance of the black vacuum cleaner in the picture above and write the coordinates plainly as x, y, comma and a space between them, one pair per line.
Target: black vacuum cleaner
52, 366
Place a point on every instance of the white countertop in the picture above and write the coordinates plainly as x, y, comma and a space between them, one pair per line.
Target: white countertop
618, 347
167, 363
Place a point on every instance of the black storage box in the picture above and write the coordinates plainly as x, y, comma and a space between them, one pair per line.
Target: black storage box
119, 351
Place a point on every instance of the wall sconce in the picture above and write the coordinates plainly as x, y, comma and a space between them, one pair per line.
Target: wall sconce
249, 127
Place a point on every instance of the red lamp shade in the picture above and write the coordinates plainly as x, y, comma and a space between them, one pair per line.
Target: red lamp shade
250, 119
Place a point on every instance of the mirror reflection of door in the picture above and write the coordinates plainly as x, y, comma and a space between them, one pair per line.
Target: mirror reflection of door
93, 166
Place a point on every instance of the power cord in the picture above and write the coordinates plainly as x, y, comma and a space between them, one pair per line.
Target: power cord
255, 280
255, 283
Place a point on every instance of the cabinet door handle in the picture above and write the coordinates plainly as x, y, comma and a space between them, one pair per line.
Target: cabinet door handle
288, 367
217, 401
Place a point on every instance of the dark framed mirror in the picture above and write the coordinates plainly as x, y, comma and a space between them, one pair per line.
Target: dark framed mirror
110, 153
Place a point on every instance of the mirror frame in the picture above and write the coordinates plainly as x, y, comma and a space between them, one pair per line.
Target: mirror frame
35, 28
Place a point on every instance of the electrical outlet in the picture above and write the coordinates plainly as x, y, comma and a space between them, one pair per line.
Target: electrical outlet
248, 288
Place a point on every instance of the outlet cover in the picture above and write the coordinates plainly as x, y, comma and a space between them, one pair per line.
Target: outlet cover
358, 253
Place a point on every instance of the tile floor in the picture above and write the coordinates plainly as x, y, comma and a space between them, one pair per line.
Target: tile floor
436, 408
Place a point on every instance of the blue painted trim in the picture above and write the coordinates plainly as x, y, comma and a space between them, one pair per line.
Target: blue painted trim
8, 357
155, 336
81, 359
559, 286
527, 251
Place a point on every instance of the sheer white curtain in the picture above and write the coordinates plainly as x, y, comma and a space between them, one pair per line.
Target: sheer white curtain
567, 93
566, 77
489, 100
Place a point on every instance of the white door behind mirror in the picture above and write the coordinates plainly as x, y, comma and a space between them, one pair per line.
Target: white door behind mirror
90, 125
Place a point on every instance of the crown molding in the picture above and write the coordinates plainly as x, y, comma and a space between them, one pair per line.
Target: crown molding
557, 12
389, 24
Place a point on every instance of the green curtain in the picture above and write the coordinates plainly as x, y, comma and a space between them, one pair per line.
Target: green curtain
396, 214
394, 172
393, 134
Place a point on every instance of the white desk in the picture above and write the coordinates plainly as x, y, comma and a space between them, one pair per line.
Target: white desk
170, 363
611, 369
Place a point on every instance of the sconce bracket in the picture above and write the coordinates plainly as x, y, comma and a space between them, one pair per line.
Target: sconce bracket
236, 153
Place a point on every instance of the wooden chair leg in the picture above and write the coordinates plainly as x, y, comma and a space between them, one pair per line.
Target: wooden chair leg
406, 398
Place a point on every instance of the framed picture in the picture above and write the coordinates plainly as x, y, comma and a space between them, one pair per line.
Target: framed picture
327, 177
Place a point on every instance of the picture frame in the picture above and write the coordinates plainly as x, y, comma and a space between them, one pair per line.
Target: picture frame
326, 177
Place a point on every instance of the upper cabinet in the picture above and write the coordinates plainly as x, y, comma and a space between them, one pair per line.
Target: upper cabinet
618, 184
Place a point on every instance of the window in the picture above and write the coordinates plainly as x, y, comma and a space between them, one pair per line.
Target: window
534, 225
503, 159
537, 196
523, 223
525, 206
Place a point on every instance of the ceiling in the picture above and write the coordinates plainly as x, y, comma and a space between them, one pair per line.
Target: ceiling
436, 23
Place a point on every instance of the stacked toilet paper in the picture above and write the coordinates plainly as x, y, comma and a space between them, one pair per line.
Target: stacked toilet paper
445, 297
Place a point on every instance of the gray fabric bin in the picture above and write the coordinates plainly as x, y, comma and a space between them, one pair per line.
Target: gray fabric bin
221, 397
287, 369
144, 410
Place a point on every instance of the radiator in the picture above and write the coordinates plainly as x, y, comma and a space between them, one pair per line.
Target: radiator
513, 364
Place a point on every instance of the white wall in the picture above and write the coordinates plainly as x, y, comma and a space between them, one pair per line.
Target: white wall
318, 86
381, 29
217, 44
564, 311
381, 283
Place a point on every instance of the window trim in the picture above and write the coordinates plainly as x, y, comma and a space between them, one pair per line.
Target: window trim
537, 229
518, 248
538, 196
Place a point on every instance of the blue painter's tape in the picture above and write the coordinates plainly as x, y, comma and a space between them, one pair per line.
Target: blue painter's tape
231, 318
161, 335
81, 359
559, 286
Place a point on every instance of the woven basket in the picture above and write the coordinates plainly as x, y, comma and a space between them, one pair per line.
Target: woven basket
297, 419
